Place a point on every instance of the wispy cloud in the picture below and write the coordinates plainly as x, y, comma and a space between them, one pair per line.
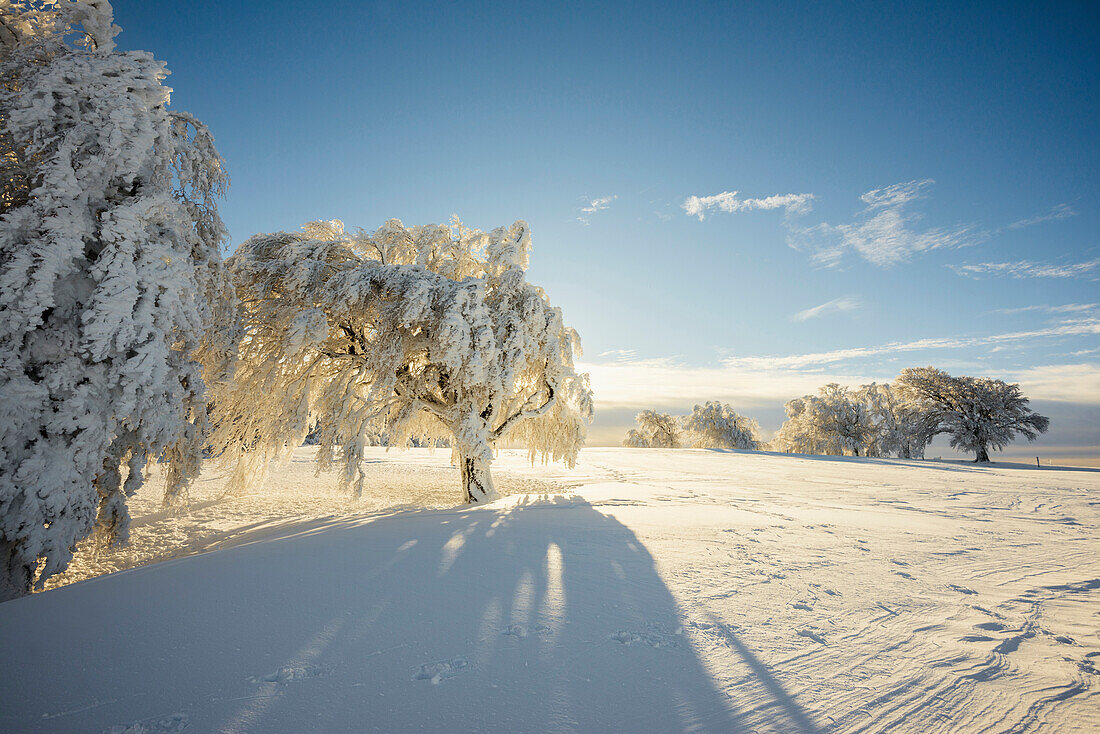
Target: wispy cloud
593, 206
1071, 383
728, 201
763, 382
837, 305
1068, 327
1029, 269
1065, 308
1062, 211
885, 232
673, 384
896, 194
622, 355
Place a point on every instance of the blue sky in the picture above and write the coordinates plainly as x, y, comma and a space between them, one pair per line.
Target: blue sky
935, 168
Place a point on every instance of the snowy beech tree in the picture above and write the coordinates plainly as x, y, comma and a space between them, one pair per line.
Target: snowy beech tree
977, 412
655, 431
803, 431
718, 426
115, 303
427, 332
834, 422
899, 426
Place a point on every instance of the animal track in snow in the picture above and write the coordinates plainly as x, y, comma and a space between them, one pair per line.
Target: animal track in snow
652, 638
521, 631
290, 674
987, 612
1078, 587
961, 589
810, 634
440, 670
827, 590
171, 724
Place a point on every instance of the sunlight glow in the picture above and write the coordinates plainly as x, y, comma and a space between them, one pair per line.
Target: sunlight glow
552, 611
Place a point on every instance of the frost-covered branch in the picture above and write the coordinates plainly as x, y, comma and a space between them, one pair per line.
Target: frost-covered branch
117, 310
527, 413
978, 413
411, 333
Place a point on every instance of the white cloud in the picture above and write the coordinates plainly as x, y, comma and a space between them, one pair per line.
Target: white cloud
727, 201
1028, 269
673, 385
884, 233
896, 194
1065, 308
593, 206
1062, 211
622, 355
837, 305
765, 382
1069, 327
1071, 383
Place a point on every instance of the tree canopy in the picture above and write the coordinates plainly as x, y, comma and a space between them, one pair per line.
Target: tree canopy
117, 308
978, 413
409, 332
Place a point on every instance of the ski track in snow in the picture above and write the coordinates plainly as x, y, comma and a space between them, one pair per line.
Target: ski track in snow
646, 590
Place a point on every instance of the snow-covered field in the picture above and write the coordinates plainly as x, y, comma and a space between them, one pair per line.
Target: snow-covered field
646, 590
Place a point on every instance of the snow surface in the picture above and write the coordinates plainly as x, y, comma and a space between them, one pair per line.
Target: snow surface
647, 590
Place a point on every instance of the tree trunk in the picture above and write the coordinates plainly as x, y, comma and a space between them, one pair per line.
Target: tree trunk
15, 577
477, 482
983, 456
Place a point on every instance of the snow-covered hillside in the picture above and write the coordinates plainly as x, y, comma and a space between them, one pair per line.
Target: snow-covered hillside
648, 590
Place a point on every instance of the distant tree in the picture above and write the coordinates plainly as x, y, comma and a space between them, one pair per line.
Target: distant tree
115, 305
977, 412
655, 431
418, 333
718, 426
899, 426
836, 421
796, 434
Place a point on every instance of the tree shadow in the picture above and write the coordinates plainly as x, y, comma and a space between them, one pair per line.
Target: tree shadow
532, 614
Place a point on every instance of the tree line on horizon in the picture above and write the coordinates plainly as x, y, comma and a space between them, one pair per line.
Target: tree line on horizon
898, 419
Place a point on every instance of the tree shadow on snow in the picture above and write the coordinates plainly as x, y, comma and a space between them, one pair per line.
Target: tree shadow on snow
532, 614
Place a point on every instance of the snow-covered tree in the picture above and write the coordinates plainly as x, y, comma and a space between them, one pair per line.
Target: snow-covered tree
836, 421
977, 412
111, 283
655, 431
429, 332
899, 426
718, 426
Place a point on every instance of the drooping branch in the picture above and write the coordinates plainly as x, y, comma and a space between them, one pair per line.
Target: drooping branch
522, 414
446, 339
433, 406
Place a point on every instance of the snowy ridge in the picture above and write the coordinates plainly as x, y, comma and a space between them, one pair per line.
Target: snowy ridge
648, 590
